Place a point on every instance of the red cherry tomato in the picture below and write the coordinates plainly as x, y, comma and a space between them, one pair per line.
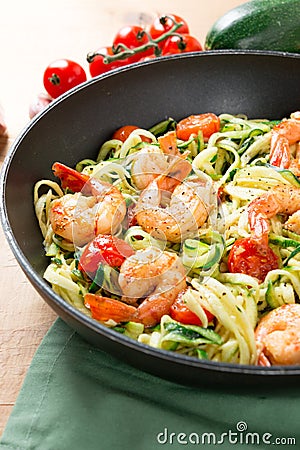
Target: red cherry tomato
181, 44
104, 249
181, 313
208, 123
132, 36
162, 24
124, 132
249, 257
62, 75
97, 66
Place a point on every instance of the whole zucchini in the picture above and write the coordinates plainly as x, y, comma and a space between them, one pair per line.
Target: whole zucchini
258, 25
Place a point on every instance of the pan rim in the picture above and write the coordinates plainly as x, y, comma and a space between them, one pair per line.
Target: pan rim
42, 285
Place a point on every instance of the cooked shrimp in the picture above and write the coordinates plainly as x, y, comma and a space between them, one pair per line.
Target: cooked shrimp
155, 276
98, 209
168, 143
181, 217
283, 136
152, 160
252, 255
150, 270
281, 200
278, 336
148, 163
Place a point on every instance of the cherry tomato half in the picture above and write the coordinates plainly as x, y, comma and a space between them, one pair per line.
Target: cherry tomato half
97, 66
181, 313
249, 257
124, 132
104, 249
62, 75
132, 36
181, 44
162, 24
208, 123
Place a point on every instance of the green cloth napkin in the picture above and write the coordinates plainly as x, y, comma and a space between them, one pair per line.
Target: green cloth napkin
77, 397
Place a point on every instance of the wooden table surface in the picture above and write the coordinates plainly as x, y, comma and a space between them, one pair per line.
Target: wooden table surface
34, 33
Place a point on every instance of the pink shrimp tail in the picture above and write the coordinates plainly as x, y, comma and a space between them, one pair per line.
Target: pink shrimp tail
263, 360
258, 224
105, 308
178, 170
151, 310
280, 151
168, 143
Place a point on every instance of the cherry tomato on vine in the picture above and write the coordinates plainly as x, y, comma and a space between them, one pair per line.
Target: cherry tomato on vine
163, 24
248, 257
124, 132
181, 44
97, 66
147, 58
62, 75
132, 36
181, 313
104, 249
208, 123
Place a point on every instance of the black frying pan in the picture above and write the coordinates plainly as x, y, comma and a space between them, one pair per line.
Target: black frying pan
259, 84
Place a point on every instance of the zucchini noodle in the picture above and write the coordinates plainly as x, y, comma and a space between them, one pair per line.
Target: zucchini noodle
234, 165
